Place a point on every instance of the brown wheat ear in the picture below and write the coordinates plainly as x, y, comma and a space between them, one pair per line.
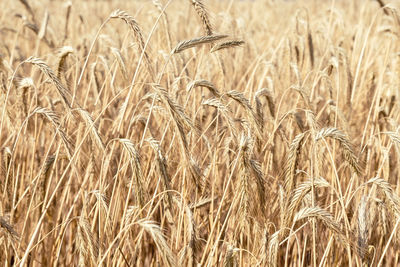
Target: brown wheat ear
228, 44
200, 9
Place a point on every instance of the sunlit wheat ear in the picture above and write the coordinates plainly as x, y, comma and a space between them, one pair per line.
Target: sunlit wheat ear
94, 134
162, 167
182, 122
349, 75
62, 90
192, 247
345, 144
228, 44
131, 22
131, 213
176, 110
310, 47
326, 218
55, 121
223, 109
292, 162
363, 227
230, 257
394, 137
5, 165
250, 169
196, 174
273, 248
202, 12
304, 95
102, 200
87, 244
63, 53
393, 199
9, 121
339, 115
244, 102
67, 16
265, 243
44, 179
255, 168
282, 198
9, 229
158, 5
155, 232
296, 71
102, 204
167, 30
244, 186
271, 104
297, 196
134, 158
121, 62
196, 42
203, 83
24, 86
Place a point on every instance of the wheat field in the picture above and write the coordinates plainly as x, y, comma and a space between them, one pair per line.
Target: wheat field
199, 133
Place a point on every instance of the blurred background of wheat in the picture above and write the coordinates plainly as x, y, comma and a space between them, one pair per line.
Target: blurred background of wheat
199, 133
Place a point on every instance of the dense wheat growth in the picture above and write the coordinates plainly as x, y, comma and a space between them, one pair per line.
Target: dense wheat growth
199, 133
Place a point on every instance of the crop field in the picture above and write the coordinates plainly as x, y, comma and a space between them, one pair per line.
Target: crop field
199, 133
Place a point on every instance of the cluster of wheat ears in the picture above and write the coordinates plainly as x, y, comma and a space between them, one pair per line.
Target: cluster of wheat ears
199, 133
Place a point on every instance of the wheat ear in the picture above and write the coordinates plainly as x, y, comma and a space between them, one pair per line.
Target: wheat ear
196, 42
